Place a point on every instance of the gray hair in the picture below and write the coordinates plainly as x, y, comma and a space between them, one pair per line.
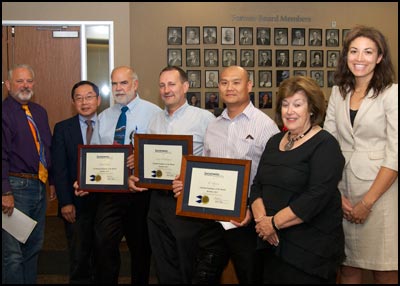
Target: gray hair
20, 66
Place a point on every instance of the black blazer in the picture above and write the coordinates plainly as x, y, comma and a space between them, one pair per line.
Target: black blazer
64, 150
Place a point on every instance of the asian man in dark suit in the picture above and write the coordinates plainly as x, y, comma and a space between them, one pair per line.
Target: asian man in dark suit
76, 212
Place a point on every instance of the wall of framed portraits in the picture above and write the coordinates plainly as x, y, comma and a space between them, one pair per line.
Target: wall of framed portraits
270, 55
272, 41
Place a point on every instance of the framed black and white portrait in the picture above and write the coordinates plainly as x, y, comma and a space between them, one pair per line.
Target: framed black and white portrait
245, 35
247, 58
228, 57
315, 37
281, 36
209, 35
264, 78
264, 58
194, 78
252, 97
174, 57
282, 58
318, 76
212, 100
316, 58
300, 72
331, 78
194, 98
211, 57
265, 99
332, 58
192, 35
332, 37
192, 57
251, 76
281, 75
174, 35
299, 58
211, 79
227, 35
298, 37
344, 34
263, 36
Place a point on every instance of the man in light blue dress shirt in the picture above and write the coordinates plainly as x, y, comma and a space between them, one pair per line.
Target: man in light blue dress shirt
123, 214
174, 239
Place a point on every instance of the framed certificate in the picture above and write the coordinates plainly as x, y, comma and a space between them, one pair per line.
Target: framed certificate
102, 168
214, 188
158, 158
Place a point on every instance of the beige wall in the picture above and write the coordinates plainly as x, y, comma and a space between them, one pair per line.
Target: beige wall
140, 28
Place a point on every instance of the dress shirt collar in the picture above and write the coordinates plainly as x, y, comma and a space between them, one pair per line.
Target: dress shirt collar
179, 112
247, 112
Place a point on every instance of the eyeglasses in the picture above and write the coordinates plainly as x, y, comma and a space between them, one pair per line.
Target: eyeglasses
86, 98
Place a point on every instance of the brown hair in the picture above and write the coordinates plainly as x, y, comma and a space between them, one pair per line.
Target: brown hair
384, 71
182, 74
314, 94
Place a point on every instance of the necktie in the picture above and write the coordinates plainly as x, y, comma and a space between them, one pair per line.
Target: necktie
89, 131
119, 135
43, 173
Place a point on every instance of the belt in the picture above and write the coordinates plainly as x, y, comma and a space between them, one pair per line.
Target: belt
25, 175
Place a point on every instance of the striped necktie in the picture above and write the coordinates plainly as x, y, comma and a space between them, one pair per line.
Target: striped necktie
119, 135
43, 173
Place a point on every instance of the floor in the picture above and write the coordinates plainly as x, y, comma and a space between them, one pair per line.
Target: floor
53, 259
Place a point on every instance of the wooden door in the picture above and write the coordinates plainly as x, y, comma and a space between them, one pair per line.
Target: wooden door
57, 66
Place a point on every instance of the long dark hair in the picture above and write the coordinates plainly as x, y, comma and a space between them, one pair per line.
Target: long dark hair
383, 73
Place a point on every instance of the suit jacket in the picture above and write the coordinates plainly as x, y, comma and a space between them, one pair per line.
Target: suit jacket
315, 42
177, 40
208, 63
66, 137
372, 141
176, 62
231, 63
250, 63
266, 41
279, 63
267, 63
299, 64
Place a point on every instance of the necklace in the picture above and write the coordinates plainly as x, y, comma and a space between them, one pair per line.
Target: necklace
291, 141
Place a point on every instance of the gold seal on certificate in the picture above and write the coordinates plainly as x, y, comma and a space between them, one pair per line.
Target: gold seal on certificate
205, 199
159, 173
98, 178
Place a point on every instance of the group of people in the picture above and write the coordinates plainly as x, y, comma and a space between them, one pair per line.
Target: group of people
323, 183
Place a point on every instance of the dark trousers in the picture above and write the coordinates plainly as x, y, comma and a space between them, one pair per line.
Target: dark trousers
119, 215
174, 239
80, 239
218, 245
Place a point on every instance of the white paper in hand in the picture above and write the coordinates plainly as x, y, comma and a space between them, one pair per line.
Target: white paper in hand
18, 225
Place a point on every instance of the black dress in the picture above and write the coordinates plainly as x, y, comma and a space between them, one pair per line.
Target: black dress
306, 179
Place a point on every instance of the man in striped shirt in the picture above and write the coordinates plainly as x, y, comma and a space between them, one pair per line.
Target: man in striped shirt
240, 132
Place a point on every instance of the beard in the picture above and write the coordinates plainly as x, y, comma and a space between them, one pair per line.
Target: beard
25, 94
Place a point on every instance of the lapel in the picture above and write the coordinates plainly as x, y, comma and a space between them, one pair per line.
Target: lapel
366, 104
74, 131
